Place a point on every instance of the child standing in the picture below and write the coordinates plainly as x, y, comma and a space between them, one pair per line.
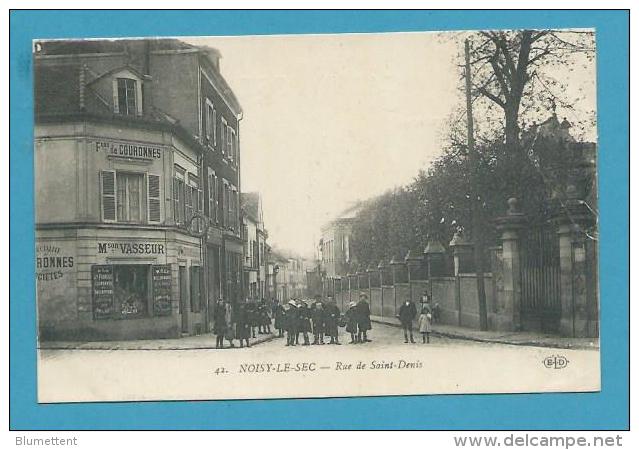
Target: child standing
425, 319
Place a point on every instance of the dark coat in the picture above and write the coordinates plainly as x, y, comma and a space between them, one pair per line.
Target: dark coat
331, 318
251, 314
279, 317
304, 319
264, 317
219, 321
351, 320
363, 316
407, 313
317, 315
291, 319
242, 322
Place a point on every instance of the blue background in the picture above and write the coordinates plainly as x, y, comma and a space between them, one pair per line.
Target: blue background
605, 410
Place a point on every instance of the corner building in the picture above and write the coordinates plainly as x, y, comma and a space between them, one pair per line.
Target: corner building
130, 193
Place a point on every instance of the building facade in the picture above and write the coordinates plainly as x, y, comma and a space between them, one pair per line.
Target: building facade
137, 212
254, 236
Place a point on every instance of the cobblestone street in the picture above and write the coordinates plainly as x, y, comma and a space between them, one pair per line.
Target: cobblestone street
272, 370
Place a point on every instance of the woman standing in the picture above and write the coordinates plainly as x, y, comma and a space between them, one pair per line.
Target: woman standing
363, 319
229, 325
425, 328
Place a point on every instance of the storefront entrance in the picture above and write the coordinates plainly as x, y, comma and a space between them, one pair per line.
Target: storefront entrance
184, 305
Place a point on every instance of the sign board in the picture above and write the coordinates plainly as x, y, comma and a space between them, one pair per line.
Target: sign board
161, 276
102, 291
129, 150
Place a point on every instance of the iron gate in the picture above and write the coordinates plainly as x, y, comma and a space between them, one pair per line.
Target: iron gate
540, 279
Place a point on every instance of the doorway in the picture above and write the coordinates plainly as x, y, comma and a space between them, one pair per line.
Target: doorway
184, 310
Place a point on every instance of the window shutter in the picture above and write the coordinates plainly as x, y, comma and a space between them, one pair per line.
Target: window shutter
107, 186
217, 199
154, 198
116, 105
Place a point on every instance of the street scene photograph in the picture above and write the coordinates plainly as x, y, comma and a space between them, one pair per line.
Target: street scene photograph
328, 215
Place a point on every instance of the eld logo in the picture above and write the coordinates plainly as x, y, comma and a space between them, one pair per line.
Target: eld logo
555, 362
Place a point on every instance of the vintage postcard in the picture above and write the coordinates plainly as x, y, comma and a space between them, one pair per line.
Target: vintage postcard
329, 215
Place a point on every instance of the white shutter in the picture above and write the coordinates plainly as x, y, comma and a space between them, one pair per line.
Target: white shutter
154, 199
107, 189
116, 105
217, 199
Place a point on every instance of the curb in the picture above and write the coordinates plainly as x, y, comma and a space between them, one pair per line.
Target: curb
464, 337
174, 348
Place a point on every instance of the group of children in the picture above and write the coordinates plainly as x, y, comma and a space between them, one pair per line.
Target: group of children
241, 321
297, 318
323, 319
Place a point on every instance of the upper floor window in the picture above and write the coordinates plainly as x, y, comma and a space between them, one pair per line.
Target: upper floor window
211, 114
130, 197
127, 96
230, 141
224, 135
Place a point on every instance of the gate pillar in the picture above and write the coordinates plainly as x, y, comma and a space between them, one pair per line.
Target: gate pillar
509, 315
577, 317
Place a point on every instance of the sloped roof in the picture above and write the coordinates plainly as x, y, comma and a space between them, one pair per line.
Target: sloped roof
250, 203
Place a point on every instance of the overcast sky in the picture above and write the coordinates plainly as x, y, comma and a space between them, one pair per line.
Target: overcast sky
331, 119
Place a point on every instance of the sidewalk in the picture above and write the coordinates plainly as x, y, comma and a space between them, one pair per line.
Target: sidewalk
500, 337
201, 342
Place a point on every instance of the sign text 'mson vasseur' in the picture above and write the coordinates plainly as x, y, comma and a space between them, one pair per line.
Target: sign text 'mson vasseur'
129, 150
131, 248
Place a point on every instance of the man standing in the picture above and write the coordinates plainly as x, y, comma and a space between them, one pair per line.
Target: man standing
304, 320
332, 314
407, 313
219, 323
292, 317
317, 316
363, 319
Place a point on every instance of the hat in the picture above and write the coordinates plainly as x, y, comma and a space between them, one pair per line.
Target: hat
291, 302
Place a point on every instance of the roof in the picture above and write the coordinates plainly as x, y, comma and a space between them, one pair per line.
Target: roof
88, 47
250, 204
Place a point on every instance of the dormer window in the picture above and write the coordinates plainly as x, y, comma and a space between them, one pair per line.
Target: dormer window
127, 101
127, 93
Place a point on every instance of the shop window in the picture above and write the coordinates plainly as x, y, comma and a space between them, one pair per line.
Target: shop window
127, 101
130, 291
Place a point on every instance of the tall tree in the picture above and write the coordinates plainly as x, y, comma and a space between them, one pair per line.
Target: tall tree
511, 70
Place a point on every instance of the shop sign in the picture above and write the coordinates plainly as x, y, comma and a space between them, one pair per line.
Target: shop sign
129, 150
102, 291
52, 262
161, 275
131, 248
